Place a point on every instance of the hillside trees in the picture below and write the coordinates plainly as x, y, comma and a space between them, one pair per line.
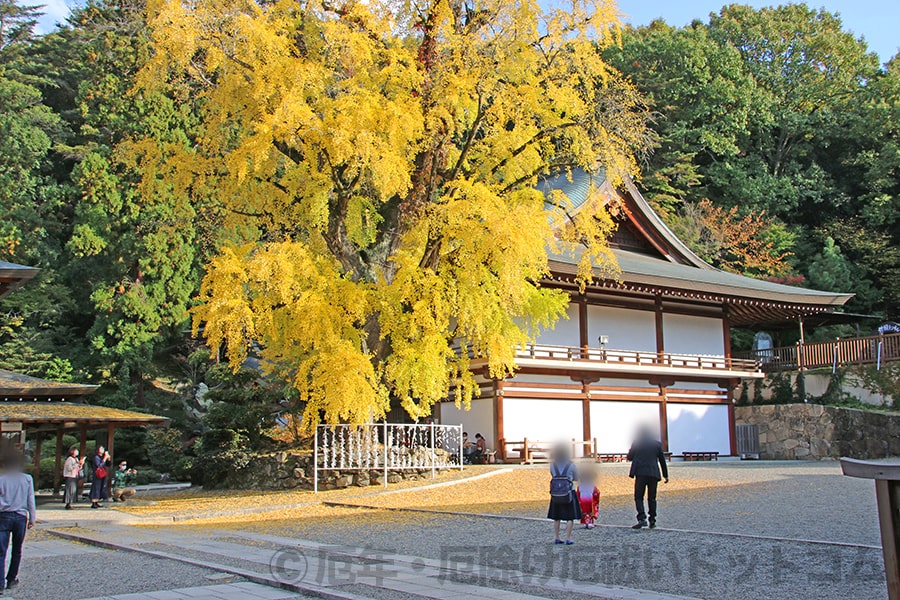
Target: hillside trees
782, 114
134, 246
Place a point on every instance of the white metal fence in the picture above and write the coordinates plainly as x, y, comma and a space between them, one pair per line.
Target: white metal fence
386, 447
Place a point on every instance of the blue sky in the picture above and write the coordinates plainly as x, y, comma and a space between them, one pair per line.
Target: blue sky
876, 20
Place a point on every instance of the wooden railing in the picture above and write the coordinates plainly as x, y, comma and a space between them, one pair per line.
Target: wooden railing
637, 358
874, 349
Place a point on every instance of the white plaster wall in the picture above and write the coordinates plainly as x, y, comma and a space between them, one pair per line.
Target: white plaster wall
698, 428
614, 424
565, 333
686, 334
627, 329
542, 420
478, 419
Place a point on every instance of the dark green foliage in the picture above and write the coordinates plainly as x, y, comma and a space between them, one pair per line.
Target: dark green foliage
835, 393
757, 392
183, 468
884, 381
242, 402
782, 388
164, 449
145, 476
222, 451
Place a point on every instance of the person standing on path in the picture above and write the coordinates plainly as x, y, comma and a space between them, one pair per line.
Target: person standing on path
101, 462
72, 469
564, 505
17, 514
647, 460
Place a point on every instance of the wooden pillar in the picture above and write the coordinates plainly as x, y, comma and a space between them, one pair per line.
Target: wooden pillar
57, 471
660, 335
663, 419
111, 440
732, 428
726, 334
498, 418
584, 342
36, 467
586, 416
887, 497
82, 450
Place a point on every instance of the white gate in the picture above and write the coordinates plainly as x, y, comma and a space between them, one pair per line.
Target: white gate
386, 447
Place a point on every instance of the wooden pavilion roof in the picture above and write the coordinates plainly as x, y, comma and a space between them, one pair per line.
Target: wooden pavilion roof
75, 413
36, 402
15, 386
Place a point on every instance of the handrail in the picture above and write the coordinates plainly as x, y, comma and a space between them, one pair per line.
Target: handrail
636, 357
873, 349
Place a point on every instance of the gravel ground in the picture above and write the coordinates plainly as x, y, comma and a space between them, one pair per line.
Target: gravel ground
803, 500
73, 577
713, 567
792, 500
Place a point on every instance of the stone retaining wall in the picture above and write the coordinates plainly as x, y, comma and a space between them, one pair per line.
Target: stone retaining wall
291, 470
816, 432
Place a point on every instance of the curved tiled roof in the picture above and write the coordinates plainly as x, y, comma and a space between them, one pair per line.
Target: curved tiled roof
674, 267
13, 275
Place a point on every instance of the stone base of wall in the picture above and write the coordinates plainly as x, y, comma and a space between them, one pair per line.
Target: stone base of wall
816, 432
290, 470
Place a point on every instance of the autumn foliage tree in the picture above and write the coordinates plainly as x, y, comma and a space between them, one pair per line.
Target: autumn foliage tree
376, 164
750, 244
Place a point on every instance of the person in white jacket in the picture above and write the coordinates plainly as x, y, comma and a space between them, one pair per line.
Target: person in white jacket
17, 514
72, 471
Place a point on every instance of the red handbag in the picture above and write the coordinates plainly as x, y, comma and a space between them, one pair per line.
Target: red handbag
100, 472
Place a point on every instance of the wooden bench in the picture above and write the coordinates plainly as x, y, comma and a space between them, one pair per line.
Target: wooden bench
694, 456
611, 458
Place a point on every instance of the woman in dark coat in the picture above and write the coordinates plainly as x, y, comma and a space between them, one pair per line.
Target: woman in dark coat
564, 505
101, 463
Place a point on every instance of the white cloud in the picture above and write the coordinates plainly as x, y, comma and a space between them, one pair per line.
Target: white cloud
55, 12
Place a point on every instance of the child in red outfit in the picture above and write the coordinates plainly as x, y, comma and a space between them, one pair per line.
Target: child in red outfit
589, 497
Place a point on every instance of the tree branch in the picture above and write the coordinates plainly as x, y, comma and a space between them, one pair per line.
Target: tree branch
537, 137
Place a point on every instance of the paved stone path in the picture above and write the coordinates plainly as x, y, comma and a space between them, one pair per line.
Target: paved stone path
232, 591
340, 571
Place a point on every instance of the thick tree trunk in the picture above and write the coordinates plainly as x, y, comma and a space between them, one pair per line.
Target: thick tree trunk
137, 380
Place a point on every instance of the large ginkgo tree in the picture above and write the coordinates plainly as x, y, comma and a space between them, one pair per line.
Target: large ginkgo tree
377, 165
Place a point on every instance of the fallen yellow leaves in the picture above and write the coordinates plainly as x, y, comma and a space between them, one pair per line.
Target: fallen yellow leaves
519, 491
195, 502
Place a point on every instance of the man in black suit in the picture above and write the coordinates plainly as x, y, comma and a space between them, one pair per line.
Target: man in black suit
647, 459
